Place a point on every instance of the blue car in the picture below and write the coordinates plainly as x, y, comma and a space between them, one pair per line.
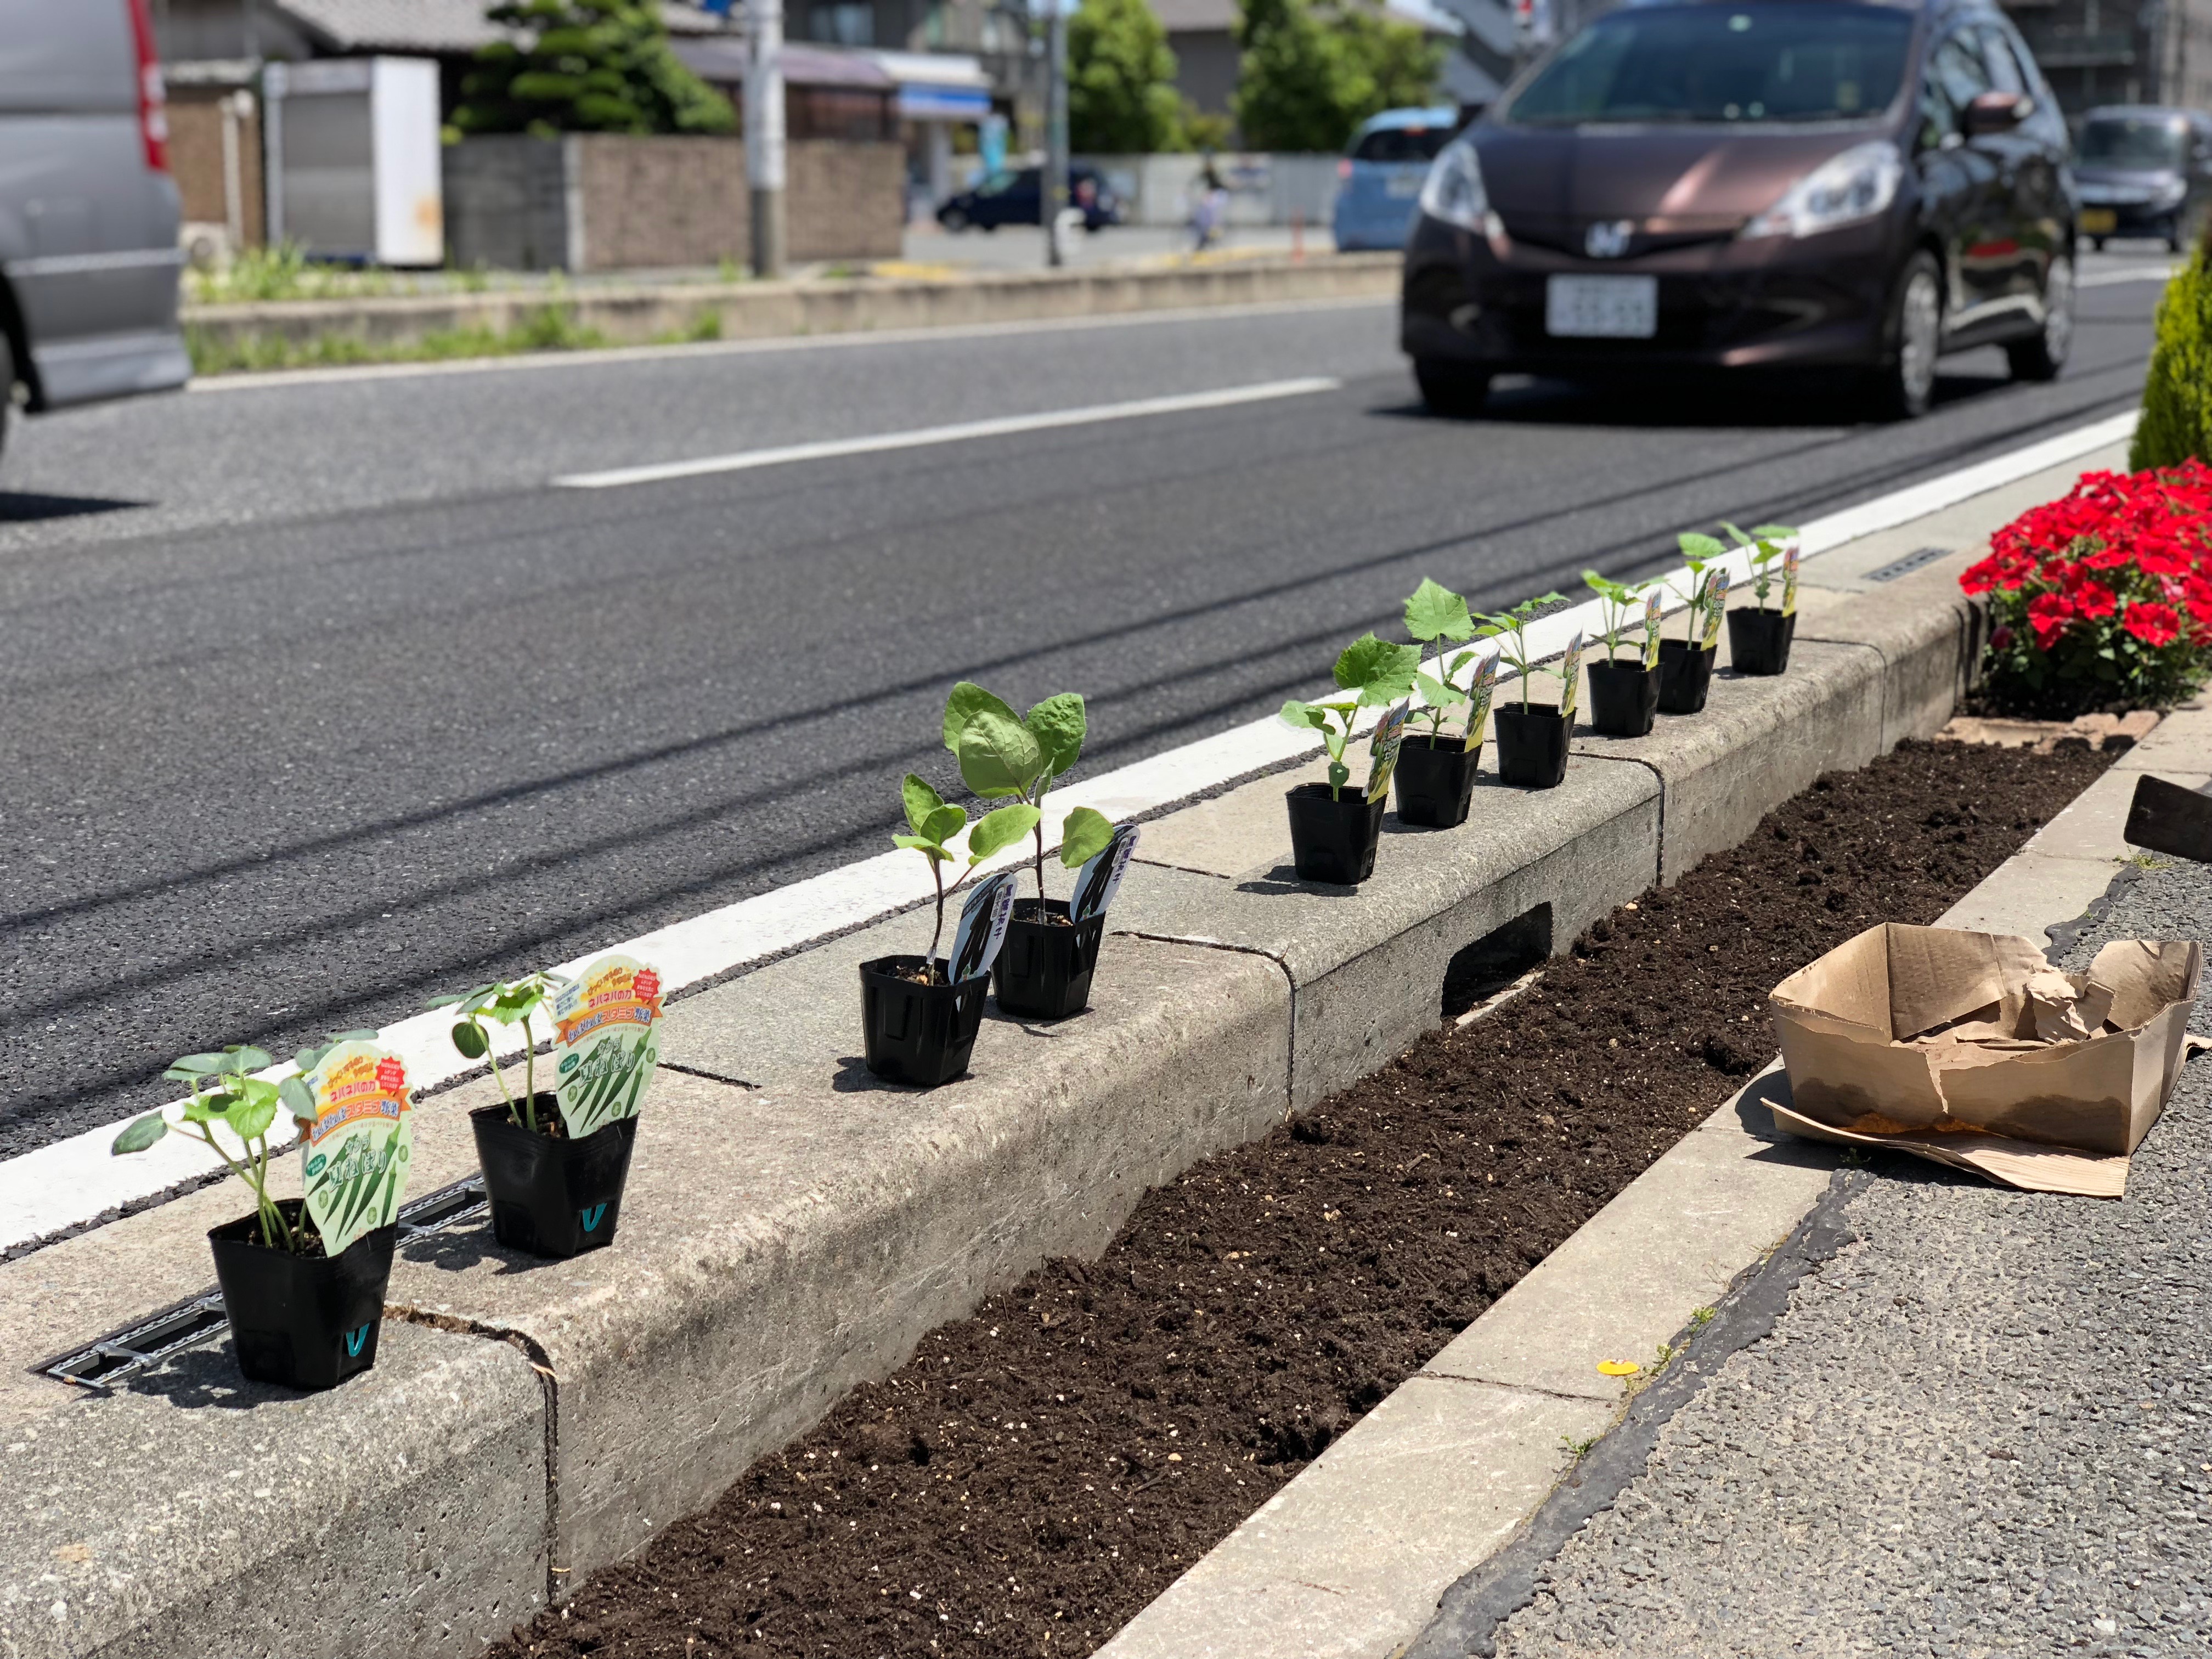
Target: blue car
1379, 180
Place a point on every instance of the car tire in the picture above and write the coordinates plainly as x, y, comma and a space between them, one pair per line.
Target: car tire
1903, 384
1450, 391
2096, 244
953, 220
2043, 354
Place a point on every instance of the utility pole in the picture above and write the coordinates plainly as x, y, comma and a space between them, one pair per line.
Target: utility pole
764, 150
1053, 196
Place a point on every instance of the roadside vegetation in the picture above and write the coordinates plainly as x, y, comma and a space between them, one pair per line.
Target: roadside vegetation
2177, 411
544, 328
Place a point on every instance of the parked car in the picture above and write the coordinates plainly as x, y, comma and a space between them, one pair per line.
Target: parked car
1379, 178
1751, 184
88, 214
2144, 172
1017, 199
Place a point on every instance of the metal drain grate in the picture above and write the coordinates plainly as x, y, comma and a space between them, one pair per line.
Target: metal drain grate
1906, 566
105, 1364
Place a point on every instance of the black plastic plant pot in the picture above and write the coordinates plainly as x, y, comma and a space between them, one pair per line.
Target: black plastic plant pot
1758, 641
1435, 781
1623, 697
1685, 675
1531, 745
1333, 838
301, 1322
1043, 970
550, 1195
917, 1033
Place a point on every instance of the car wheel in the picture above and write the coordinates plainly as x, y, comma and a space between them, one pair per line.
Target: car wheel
1450, 391
2044, 354
1904, 385
953, 220
2097, 244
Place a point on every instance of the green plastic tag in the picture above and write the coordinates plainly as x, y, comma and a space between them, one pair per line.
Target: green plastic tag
1571, 676
1479, 690
1652, 610
607, 1026
355, 1155
1789, 580
1716, 590
1382, 750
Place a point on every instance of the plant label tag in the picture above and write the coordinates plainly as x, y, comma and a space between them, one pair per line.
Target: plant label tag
1479, 690
1652, 607
1571, 677
983, 922
1382, 750
355, 1155
1100, 877
606, 1024
1717, 590
1790, 580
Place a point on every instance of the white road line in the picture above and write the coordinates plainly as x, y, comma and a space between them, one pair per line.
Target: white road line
2135, 274
70, 1182
267, 380
959, 432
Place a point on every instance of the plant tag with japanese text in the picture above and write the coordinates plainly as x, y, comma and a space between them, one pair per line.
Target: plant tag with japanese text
1571, 677
1789, 580
1716, 591
607, 1042
1479, 690
1100, 877
983, 930
355, 1155
1382, 750
1652, 607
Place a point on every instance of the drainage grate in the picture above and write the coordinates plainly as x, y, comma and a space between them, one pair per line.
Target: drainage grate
106, 1364
1906, 566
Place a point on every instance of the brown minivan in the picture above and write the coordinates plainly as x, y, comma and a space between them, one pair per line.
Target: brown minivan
1751, 184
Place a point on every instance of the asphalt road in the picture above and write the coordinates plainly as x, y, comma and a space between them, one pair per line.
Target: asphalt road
318, 700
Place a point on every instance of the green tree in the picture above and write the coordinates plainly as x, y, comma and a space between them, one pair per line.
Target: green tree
585, 66
1121, 98
2177, 408
1310, 73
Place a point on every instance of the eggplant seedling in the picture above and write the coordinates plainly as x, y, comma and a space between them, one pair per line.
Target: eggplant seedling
510, 1004
1767, 542
1005, 756
1619, 604
225, 1090
934, 824
1375, 673
1510, 629
1434, 616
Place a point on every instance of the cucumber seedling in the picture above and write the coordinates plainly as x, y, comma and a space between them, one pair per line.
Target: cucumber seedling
509, 1004
1511, 629
1767, 542
225, 1090
1620, 604
1373, 672
1434, 616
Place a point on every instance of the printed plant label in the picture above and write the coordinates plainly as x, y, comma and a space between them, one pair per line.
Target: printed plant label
1716, 591
1382, 750
1100, 877
354, 1155
607, 1042
983, 922
1790, 580
1478, 694
1571, 677
1652, 607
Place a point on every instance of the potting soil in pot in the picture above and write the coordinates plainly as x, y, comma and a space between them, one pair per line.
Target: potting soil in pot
1039, 1472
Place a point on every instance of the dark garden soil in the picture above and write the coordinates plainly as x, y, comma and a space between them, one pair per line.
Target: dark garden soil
1040, 1472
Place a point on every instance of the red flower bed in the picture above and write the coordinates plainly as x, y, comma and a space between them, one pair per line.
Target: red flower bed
2102, 598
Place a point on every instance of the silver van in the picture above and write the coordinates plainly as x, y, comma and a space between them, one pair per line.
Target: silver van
88, 253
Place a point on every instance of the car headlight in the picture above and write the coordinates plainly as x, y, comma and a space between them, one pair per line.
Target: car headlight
1843, 189
1453, 190
2170, 193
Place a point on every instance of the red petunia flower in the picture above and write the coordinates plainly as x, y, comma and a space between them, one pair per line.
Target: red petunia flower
2048, 614
2093, 602
2153, 624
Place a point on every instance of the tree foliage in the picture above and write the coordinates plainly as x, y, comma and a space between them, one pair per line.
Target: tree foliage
1312, 72
2177, 410
1122, 97
585, 66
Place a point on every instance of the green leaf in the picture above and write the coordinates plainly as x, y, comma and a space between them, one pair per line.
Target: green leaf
996, 831
139, 1135
1439, 695
1769, 532
298, 1098
1295, 713
935, 850
1376, 669
255, 1111
243, 1057
470, 1040
920, 801
1059, 724
1084, 836
998, 755
944, 823
1434, 611
192, 1066
354, 1036
435, 1003
1697, 550
307, 1059
965, 702
1735, 534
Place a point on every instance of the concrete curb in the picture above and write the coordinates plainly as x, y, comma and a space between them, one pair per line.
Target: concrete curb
746, 311
794, 1228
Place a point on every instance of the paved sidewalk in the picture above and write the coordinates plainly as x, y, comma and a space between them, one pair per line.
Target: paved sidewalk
1981, 1428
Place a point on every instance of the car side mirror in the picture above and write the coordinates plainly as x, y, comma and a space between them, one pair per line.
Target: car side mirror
1995, 112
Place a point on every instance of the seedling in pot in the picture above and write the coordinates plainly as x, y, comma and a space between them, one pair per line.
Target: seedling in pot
935, 825
1511, 629
1373, 672
225, 1092
1620, 602
509, 1004
1434, 616
1698, 551
1768, 543
1005, 756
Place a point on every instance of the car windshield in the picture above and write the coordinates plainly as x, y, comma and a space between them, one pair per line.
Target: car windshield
2117, 142
1400, 144
1720, 64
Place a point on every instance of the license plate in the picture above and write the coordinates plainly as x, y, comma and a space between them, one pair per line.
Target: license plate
2099, 221
1601, 307
1403, 185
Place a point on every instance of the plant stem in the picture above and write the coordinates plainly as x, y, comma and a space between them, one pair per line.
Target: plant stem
936, 870
529, 1073
1039, 804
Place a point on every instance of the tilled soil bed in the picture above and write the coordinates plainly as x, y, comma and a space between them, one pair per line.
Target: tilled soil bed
1039, 1472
